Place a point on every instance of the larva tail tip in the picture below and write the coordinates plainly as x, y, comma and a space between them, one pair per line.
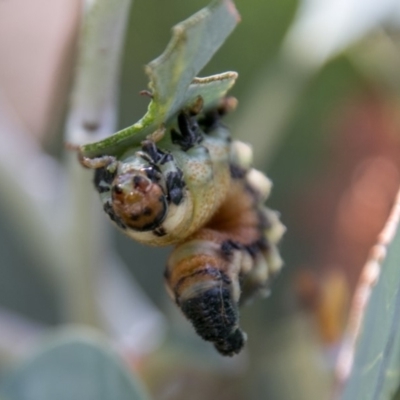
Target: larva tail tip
233, 344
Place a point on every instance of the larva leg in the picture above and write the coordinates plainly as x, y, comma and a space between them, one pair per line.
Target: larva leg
175, 186
212, 118
104, 175
98, 162
189, 134
149, 147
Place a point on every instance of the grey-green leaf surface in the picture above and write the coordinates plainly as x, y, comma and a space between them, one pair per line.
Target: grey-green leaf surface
73, 366
172, 75
375, 367
193, 43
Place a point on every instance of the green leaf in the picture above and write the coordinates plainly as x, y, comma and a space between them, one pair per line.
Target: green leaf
73, 366
193, 43
172, 76
372, 347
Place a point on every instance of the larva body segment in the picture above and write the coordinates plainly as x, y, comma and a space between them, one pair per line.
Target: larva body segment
227, 261
196, 189
206, 173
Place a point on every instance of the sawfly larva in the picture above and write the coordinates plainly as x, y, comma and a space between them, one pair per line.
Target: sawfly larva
195, 189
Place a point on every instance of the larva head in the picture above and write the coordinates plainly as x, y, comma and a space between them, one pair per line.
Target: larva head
138, 201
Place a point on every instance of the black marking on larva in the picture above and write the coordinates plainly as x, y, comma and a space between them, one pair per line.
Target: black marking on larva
157, 155
215, 317
253, 249
210, 121
237, 172
212, 272
117, 189
167, 157
147, 211
232, 344
110, 212
189, 134
167, 273
160, 231
102, 189
103, 175
257, 246
155, 224
176, 137
137, 180
227, 248
189, 128
153, 173
175, 185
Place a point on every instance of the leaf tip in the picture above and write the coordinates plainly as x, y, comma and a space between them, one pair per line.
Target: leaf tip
230, 5
232, 75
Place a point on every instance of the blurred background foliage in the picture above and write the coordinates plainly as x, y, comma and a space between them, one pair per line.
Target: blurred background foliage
326, 131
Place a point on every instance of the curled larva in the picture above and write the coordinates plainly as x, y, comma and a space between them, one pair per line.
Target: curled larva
195, 189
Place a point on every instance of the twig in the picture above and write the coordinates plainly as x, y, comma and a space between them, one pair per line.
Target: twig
92, 116
94, 97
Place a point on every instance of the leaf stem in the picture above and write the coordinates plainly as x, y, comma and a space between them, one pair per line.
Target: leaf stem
92, 116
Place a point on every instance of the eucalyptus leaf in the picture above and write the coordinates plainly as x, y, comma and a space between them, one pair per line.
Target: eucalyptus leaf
172, 76
73, 366
373, 345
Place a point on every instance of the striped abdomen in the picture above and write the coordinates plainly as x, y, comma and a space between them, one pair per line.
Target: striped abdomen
228, 260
